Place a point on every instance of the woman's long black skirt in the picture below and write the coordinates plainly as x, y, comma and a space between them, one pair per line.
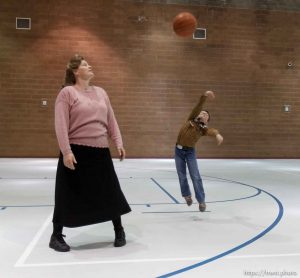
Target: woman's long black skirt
89, 194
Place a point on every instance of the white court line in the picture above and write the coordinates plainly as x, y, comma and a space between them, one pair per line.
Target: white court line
263, 256
156, 260
34, 241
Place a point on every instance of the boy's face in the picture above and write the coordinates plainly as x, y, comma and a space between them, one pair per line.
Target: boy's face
203, 117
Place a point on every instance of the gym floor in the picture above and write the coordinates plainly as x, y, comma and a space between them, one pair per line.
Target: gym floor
250, 229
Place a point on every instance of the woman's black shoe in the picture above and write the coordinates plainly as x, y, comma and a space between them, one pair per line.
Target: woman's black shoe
120, 238
58, 243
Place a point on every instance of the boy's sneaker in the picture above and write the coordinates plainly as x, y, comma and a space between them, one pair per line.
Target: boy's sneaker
189, 200
202, 207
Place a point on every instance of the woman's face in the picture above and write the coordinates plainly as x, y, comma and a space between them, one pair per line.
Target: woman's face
84, 71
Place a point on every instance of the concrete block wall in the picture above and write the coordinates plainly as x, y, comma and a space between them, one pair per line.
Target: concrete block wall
152, 76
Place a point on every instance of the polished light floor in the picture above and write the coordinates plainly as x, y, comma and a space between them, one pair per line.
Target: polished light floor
251, 227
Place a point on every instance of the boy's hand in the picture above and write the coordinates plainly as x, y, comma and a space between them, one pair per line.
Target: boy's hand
209, 94
219, 138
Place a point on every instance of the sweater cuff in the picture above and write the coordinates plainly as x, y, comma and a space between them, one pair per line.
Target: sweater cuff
67, 151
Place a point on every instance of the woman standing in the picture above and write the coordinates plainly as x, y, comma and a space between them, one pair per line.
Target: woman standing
87, 189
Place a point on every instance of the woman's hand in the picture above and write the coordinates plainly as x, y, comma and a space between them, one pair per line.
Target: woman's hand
69, 160
121, 153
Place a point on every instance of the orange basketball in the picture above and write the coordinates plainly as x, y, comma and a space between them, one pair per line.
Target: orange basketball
184, 24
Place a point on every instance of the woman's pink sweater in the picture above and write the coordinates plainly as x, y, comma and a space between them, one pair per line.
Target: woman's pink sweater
85, 118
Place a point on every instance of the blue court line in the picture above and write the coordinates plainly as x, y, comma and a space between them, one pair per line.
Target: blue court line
142, 204
164, 190
222, 201
276, 221
25, 206
237, 199
208, 202
44, 178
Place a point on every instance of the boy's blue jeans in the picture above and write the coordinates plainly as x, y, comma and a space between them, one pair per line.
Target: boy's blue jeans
188, 157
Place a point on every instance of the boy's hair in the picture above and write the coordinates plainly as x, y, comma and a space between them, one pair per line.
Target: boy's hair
208, 115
